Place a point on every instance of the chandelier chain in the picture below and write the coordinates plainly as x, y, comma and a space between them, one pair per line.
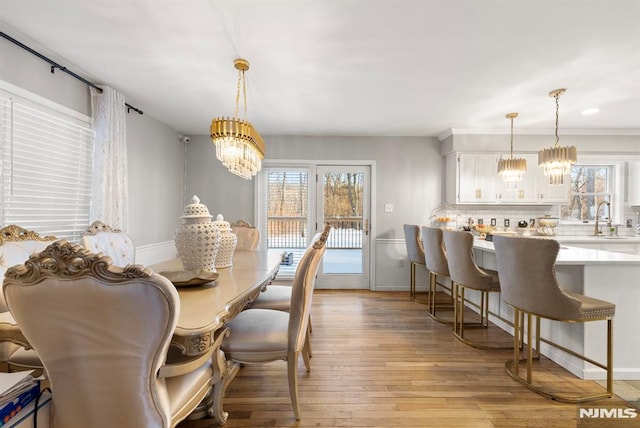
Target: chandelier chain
557, 97
239, 82
511, 137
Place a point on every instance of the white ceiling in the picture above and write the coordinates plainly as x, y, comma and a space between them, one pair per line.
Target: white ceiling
355, 67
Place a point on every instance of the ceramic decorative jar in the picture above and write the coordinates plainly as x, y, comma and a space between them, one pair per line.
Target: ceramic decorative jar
197, 239
228, 242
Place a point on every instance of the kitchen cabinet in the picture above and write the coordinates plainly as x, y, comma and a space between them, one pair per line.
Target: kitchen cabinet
524, 191
548, 194
475, 178
633, 186
472, 178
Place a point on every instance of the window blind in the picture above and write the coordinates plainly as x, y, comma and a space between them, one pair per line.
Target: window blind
285, 213
46, 159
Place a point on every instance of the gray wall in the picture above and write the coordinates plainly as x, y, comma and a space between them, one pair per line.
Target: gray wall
154, 152
409, 175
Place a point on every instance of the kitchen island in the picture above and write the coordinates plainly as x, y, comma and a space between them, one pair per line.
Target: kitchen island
610, 276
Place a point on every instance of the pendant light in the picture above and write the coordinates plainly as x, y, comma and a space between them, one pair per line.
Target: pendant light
511, 170
238, 145
557, 160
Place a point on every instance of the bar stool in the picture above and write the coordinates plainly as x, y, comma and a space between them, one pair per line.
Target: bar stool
436, 262
465, 273
531, 288
415, 252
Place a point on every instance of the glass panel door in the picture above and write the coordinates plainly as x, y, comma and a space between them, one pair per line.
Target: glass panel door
342, 199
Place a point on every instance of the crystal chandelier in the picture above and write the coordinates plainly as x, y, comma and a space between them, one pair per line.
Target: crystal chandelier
556, 161
511, 170
238, 145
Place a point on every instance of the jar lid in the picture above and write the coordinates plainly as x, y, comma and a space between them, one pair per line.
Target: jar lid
195, 209
222, 225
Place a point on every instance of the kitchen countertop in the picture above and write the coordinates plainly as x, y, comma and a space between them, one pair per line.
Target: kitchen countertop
632, 239
575, 255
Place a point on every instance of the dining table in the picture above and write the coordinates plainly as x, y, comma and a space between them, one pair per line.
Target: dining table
205, 308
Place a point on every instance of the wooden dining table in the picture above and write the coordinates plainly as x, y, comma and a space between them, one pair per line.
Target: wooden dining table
204, 310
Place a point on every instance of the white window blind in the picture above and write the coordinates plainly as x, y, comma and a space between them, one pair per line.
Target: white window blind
46, 159
285, 213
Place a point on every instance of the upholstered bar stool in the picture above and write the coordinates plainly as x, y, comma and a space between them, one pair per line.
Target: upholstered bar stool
415, 252
465, 273
437, 265
530, 286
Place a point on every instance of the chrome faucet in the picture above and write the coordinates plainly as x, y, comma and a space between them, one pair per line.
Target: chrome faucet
596, 232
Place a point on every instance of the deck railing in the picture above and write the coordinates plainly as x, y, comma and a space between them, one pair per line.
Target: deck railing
291, 232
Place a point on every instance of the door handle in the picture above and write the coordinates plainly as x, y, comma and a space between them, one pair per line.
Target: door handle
366, 227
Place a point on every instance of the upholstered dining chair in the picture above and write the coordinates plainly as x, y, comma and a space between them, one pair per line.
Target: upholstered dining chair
415, 253
437, 266
16, 245
261, 336
248, 236
103, 333
278, 297
530, 286
465, 273
102, 238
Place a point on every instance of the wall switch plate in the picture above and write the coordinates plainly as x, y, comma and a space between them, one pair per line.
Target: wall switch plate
507, 222
388, 208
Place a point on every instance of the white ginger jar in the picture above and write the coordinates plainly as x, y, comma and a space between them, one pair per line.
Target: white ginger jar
197, 239
228, 242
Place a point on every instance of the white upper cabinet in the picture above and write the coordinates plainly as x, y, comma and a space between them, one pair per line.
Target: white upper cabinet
633, 186
472, 178
476, 178
525, 191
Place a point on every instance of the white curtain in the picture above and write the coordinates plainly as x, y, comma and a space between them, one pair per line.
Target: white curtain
110, 195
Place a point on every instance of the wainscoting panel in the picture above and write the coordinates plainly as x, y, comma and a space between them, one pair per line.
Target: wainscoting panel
155, 253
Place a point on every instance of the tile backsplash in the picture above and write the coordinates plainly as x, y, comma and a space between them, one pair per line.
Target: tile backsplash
515, 213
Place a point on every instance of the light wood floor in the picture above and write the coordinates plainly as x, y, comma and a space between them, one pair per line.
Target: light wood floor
380, 361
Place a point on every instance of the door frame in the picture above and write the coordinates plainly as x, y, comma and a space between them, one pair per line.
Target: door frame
312, 166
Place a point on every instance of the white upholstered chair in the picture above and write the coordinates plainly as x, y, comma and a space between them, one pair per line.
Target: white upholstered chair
102, 238
261, 336
278, 297
415, 253
103, 333
16, 245
248, 236
529, 285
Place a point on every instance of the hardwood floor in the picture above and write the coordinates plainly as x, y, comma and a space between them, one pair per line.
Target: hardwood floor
380, 361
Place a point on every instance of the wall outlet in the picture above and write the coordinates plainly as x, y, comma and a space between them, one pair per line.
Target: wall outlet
388, 208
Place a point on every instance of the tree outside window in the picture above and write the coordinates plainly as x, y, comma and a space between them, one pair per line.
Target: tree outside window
590, 185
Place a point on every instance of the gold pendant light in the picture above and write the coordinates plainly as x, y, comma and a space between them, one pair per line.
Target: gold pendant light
511, 170
238, 145
557, 160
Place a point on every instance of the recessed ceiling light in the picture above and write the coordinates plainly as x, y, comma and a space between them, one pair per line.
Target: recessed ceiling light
590, 111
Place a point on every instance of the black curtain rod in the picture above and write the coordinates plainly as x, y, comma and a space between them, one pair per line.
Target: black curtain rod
55, 65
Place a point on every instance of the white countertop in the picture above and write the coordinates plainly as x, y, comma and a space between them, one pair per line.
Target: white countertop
631, 239
574, 255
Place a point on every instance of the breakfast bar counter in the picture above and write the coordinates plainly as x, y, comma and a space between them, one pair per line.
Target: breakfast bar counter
610, 276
